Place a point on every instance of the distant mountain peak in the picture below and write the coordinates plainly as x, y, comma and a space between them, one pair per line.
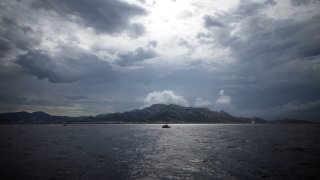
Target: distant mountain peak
40, 113
173, 113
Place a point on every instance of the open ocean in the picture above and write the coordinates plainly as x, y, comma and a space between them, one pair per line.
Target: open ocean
207, 151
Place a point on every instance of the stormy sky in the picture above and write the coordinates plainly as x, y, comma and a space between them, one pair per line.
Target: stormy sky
252, 58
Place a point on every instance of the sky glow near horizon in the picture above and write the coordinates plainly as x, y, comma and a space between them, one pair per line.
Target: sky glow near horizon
251, 58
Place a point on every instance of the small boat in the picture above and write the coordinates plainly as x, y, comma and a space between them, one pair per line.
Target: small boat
166, 126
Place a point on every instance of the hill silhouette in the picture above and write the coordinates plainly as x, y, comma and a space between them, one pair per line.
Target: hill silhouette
157, 113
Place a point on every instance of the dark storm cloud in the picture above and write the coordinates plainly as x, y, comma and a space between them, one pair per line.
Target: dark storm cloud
280, 41
60, 62
277, 59
5, 47
23, 36
64, 70
110, 16
133, 57
14, 35
266, 43
15, 39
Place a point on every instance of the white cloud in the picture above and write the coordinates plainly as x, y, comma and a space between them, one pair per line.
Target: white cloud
164, 97
223, 99
201, 102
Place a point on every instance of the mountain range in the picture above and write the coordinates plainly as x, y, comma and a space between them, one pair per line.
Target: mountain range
157, 113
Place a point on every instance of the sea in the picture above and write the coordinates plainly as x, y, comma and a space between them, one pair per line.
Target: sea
147, 151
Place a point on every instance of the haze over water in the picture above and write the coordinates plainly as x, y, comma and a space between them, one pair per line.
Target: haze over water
85, 151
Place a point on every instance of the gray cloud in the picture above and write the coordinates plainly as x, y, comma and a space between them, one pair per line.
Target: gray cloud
263, 43
24, 100
63, 70
211, 21
136, 30
110, 16
296, 107
72, 56
293, 109
302, 2
10, 99
152, 44
15, 39
5, 47
276, 59
77, 97
21, 36
133, 57
247, 7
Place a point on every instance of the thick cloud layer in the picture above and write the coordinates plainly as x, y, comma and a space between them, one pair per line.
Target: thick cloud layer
64, 70
111, 16
136, 56
261, 44
250, 58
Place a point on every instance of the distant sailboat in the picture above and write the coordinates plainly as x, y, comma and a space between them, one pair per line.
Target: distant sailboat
166, 126
252, 122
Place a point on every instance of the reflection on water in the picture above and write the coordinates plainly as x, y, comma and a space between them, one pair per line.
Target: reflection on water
151, 152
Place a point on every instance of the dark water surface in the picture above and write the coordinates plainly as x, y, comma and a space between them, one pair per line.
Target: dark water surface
94, 151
